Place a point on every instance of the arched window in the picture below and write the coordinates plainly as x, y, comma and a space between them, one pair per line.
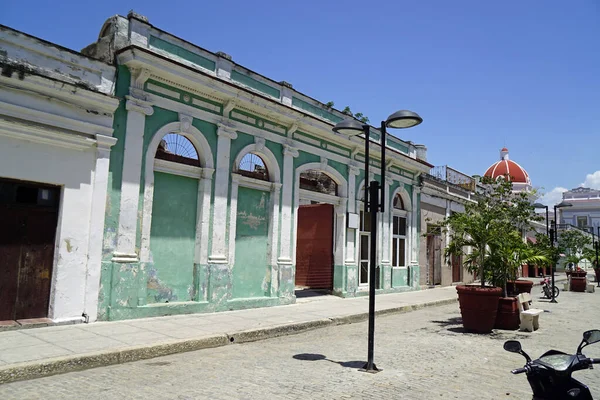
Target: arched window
398, 203
317, 181
177, 148
399, 230
253, 166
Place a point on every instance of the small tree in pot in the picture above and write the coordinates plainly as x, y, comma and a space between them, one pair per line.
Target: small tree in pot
491, 228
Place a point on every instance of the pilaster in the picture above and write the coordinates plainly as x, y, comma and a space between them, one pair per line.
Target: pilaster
92, 279
219, 253
289, 153
137, 111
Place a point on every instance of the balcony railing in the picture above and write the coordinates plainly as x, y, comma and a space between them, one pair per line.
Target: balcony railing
450, 175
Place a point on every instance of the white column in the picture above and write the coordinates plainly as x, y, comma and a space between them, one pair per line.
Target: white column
92, 278
386, 238
137, 110
351, 234
219, 241
340, 232
274, 237
289, 153
203, 224
414, 256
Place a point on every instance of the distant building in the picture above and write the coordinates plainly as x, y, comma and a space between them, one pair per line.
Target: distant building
585, 210
444, 191
508, 168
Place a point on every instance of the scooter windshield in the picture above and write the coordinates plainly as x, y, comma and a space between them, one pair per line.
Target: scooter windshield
558, 362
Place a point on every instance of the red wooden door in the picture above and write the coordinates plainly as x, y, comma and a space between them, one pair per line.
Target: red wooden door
314, 246
27, 239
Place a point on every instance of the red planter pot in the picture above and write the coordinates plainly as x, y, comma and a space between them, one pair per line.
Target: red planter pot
520, 286
578, 274
478, 307
508, 314
578, 283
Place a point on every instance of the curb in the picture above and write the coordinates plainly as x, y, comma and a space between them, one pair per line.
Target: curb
65, 364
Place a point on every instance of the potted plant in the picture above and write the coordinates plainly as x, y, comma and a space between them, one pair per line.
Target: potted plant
511, 253
490, 228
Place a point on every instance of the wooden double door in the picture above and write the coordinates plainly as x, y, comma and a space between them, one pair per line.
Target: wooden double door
28, 220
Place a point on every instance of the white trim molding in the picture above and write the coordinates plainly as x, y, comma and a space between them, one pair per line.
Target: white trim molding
184, 128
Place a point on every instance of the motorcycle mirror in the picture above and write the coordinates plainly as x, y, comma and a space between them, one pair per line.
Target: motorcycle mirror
592, 336
514, 346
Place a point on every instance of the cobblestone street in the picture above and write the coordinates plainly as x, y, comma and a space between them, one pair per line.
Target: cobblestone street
423, 354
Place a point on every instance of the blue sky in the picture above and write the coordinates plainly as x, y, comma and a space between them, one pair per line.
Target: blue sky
482, 74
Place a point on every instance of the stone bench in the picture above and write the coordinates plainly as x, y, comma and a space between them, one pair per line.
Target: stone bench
530, 317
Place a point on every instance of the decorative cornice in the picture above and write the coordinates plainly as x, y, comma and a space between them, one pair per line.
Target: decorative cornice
292, 128
104, 142
175, 168
226, 131
138, 105
290, 151
139, 76
230, 105
207, 173
252, 183
276, 187
45, 135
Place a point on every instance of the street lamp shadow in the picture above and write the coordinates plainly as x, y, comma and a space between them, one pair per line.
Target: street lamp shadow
319, 357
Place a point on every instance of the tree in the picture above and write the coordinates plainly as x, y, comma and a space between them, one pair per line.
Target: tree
573, 243
492, 227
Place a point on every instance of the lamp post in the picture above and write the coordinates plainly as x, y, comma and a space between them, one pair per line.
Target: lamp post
540, 205
596, 245
553, 238
351, 127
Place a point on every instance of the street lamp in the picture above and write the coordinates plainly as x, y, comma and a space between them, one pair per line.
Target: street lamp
351, 127
540, 205
553, 238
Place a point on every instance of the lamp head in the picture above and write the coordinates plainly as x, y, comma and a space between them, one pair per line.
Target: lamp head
349, 127
403, 119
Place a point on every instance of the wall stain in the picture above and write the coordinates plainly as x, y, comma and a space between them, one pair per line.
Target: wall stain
69, 245
161, 293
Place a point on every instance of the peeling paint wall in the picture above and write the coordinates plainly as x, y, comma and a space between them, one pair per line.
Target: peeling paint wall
173, 232
251, 272
244, 249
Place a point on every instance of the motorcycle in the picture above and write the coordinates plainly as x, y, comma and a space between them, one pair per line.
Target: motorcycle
546, 289
550, 375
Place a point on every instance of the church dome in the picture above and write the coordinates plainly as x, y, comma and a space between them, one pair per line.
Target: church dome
508, 168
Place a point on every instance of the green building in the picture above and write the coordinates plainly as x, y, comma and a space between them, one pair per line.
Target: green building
228, 190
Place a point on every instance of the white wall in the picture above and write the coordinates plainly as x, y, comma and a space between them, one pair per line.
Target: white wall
71, 169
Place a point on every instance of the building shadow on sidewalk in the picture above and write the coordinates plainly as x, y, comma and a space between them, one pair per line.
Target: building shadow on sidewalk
319, 357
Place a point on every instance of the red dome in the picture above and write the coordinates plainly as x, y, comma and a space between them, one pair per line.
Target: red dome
506, 167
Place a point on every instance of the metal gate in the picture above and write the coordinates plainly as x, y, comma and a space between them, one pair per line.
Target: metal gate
314, 247
29, 215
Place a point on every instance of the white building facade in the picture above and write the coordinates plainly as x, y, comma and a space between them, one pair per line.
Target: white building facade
56, 116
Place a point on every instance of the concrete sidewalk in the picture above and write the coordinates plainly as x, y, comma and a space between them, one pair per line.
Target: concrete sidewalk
33, 353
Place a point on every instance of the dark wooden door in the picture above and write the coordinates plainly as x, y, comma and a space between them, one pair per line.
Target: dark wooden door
314, 246
456, 268
29, 218
434, 259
